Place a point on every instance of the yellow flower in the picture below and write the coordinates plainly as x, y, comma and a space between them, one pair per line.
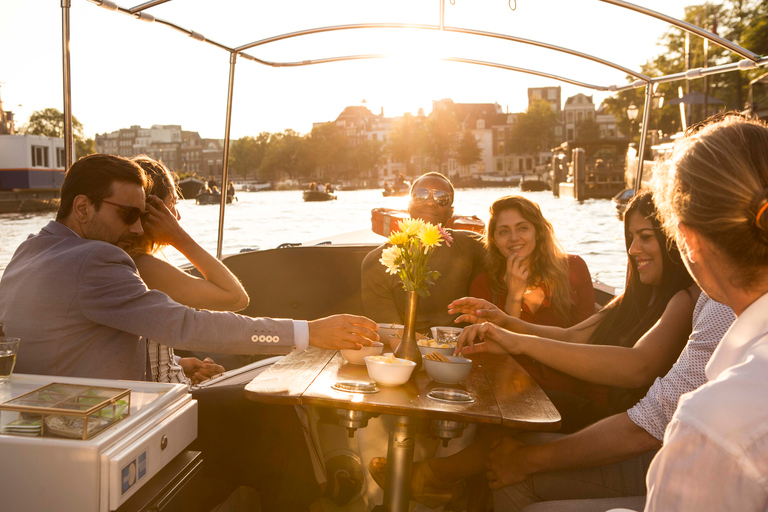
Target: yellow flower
410, 226
398, 238
389, 257
430, 236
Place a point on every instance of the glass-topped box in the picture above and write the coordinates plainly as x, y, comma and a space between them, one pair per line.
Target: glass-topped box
65, 410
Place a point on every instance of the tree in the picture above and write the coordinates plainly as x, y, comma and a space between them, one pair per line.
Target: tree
326, 148
365, 156
284, 157
442, 134
468, 151
247, 153
406, 141
49, 122
533, 131
587, 130
84, 147
744, 22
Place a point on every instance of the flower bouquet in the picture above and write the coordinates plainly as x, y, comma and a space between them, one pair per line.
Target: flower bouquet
408, 257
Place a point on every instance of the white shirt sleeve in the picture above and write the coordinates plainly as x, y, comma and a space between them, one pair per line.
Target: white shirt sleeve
300, 335
692, 472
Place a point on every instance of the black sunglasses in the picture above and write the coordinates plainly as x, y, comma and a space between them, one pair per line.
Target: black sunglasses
441, 197
130, 214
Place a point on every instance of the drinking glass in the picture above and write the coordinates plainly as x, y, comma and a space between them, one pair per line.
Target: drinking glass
8, 349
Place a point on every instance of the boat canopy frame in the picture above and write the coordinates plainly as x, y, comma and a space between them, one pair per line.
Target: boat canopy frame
749, 60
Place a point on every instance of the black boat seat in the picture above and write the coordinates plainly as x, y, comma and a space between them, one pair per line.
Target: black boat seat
302, 282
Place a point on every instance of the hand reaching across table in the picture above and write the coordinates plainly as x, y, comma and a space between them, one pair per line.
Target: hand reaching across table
342, 332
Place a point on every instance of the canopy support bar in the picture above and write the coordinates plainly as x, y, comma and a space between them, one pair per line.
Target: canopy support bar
643, 134
225, 158
68, 135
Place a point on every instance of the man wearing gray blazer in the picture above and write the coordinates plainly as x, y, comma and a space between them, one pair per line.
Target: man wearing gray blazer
75, 298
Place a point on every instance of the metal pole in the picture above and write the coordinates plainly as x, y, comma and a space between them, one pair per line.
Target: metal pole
68, 135
399, 464
643, 134
225, 163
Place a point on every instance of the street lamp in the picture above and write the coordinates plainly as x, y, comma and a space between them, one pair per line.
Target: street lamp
632, 112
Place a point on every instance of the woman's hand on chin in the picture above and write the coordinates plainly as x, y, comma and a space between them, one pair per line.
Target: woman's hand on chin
474, 310
516, 277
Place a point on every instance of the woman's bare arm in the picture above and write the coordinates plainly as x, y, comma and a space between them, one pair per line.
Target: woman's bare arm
476, 310
633, 367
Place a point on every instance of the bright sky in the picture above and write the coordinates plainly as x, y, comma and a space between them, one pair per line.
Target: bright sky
127, 72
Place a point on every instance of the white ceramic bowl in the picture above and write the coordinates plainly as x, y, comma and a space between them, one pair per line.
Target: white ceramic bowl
386, 330
448, 373
358, 356
440, 350
388, 374
451, 330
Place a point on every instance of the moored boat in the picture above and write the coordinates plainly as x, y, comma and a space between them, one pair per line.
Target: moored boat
210, 198
190, 187
533, 183
316, 195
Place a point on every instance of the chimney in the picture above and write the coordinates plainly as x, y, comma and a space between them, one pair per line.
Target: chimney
382, 112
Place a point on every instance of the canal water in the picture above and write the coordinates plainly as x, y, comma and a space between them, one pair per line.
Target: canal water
264, 220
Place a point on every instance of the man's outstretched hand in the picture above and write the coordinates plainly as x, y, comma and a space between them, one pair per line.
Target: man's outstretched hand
342, 331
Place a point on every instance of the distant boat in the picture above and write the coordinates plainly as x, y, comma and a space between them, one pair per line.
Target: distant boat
395, 193
209, 198
190, 187
621, 199
529, 184
316, 195
400, 189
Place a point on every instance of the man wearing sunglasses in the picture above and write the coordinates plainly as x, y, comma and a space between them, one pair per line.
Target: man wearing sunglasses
384, 300
76, 299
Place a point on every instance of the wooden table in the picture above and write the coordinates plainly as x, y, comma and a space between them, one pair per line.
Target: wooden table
503, 393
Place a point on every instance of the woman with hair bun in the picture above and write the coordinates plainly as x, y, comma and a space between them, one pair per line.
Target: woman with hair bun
713, 198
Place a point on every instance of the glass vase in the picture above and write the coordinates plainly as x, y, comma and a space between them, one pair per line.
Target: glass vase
408, 348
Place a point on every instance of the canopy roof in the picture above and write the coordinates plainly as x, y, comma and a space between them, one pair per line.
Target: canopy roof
535, 40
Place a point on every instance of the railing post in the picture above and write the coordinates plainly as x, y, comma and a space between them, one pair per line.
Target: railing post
225, 162
68, 135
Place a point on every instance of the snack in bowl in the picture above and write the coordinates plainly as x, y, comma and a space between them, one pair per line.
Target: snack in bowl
395, 339
427, 346
353, 356
389, 370
446, 369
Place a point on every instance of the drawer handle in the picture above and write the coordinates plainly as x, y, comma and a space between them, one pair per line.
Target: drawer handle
164, 443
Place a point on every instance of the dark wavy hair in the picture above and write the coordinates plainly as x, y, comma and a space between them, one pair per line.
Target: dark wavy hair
548, 262
93, 176
633, 313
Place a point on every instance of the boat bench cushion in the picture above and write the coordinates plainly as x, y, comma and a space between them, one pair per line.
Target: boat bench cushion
303, 283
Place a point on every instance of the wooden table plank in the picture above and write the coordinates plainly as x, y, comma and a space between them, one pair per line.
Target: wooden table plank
285, 381
410, 399
522, 402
